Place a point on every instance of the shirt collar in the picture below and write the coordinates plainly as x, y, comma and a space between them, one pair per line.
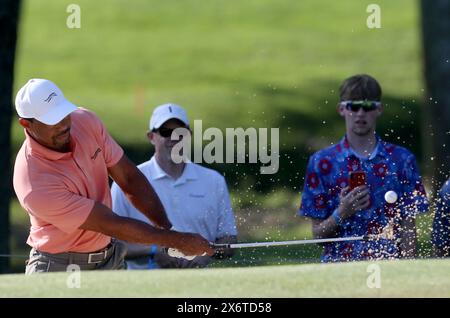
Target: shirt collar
189, 172
380, 148
37, 149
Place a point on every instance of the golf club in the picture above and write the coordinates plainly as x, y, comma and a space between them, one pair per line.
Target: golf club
387, 233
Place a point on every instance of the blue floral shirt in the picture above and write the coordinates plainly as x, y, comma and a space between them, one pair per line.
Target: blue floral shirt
441, 223
390, 167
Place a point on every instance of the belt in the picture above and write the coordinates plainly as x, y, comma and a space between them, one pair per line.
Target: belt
98, 257
83, 258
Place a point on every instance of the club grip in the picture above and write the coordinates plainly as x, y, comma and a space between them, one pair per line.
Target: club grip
219, 245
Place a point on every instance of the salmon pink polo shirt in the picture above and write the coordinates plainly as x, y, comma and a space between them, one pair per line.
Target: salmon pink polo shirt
58, 190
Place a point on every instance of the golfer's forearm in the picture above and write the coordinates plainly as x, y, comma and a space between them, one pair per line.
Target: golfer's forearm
145, 199
101, 219
134, 231
324, 229
137, 250
139, 191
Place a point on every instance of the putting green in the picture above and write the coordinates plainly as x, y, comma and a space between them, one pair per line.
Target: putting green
408, 278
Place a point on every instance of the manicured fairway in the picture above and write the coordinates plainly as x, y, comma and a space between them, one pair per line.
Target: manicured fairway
418, 278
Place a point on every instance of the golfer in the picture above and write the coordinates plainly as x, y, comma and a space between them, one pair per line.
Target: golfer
336, 210
61, 180
196, 198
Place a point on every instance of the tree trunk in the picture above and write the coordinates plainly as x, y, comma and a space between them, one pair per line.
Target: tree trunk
9, 17
436, 48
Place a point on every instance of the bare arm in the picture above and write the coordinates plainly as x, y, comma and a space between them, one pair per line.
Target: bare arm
408, 238
350, 202
102, 219
138, 250
139, 191
135, 250
324, 228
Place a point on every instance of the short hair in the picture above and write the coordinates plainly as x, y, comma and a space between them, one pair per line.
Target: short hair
360, 87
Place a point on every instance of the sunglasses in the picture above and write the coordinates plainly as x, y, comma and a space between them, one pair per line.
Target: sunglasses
366, 105
164, 132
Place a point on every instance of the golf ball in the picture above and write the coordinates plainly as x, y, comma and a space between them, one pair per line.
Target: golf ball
390, 197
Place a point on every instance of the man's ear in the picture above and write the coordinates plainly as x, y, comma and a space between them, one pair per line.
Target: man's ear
380, 110
24, 123
150, 136
340, 109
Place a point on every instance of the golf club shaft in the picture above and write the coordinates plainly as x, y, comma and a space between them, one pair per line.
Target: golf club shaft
296, 242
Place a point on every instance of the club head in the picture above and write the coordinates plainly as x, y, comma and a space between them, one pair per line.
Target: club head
386, 234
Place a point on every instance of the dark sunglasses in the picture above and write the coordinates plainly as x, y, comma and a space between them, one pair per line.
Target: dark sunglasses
366, 105
164, 132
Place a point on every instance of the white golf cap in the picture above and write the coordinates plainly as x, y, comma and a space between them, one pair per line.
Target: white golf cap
43, 100
164, 112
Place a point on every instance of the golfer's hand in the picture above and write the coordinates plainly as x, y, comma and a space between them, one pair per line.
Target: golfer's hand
353, 201
194, 244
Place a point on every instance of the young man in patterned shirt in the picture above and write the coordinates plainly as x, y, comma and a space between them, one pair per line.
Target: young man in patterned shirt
336, 209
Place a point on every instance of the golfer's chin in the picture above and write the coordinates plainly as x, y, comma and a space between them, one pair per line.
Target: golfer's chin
63, 146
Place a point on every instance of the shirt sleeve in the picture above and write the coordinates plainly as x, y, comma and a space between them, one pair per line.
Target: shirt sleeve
61, 208
226, 224
414, 199
112, 152
315, 202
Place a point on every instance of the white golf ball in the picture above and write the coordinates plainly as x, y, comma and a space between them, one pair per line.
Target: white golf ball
390, 197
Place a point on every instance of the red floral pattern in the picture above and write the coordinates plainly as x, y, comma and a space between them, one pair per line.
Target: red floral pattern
313, 180
327, 174
325, 166
380, 170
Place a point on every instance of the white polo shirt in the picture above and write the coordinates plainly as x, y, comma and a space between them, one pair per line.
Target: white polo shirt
197, 202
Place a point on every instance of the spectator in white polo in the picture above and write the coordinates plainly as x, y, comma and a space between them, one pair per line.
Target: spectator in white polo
196, 198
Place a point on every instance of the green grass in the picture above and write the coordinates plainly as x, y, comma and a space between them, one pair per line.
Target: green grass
420, 278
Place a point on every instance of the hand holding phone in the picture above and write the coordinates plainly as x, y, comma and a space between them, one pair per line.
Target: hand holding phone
357, 178
351, 203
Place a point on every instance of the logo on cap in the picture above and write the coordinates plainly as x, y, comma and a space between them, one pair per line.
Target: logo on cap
49, 98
